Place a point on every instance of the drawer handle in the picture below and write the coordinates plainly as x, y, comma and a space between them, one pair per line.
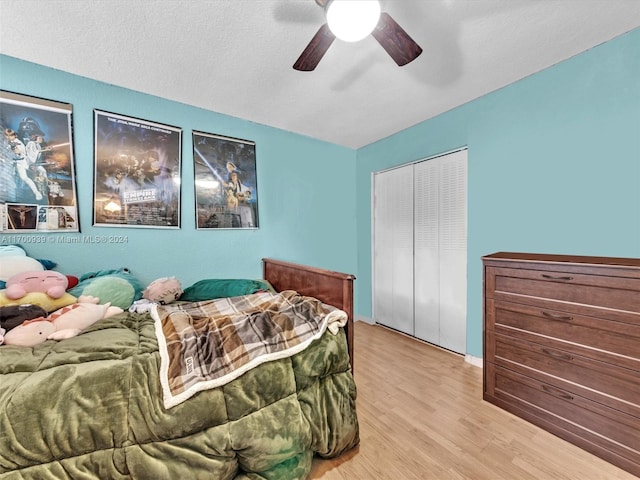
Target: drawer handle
557, 393
558, 355
552, 277
554, 316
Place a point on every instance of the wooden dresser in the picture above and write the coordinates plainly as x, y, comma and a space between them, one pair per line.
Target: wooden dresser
562, 348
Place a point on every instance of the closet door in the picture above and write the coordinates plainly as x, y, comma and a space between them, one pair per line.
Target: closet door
441, 250
427, 254
452, 214
393, 249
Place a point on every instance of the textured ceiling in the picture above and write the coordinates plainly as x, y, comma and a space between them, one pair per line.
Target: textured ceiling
235, 56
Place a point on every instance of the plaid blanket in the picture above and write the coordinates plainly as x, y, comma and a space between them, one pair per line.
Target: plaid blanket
207, 344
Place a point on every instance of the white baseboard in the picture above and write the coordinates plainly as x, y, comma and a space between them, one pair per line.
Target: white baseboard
475, 361
365, 320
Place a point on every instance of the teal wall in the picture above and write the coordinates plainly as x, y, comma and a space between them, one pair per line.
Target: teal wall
554, 166
302, 219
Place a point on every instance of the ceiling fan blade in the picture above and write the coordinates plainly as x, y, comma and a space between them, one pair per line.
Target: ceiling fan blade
397, 43
316, 49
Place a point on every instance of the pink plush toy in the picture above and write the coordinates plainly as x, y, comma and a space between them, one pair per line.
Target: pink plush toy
52, 283
67, 322
163, 290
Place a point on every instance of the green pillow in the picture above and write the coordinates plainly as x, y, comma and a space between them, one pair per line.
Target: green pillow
220, 288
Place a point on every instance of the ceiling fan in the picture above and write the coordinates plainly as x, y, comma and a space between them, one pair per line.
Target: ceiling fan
396, 42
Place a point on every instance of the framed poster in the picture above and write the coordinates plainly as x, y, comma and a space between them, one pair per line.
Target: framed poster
226, 186
37, 166
137, 172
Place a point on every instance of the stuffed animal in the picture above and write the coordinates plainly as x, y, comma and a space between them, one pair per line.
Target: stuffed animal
14, 260
119, 287
44, 288
163, 290
52, 283
13, 315
38, 298
64, 323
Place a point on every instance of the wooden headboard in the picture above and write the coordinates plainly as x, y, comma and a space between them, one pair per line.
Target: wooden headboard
332, 288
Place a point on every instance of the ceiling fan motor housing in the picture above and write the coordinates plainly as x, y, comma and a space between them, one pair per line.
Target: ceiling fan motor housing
395, 41
352, 20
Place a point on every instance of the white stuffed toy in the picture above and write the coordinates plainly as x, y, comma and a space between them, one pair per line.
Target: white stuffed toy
14, 260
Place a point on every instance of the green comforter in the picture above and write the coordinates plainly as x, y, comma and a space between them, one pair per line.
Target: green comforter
91, 407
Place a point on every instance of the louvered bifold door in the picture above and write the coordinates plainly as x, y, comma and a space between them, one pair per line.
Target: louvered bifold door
427, 260
393, 249
441, 250
452, 214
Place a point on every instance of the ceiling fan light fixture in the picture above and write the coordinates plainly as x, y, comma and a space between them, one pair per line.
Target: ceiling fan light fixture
352, 20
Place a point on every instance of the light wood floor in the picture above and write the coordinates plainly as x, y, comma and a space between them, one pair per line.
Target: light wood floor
422, 416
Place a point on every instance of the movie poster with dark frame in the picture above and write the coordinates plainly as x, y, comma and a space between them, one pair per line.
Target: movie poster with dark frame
137, 172
37, 166
226, 186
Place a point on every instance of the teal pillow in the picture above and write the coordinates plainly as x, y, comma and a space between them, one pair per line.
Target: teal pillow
212, 288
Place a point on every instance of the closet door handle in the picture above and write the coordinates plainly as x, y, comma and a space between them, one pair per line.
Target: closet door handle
554, 316
557, 355
553, 277
557, 393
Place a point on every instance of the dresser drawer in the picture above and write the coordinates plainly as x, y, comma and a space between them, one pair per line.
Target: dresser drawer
605, 383
562, 347
602, 430
526, 285
613, 337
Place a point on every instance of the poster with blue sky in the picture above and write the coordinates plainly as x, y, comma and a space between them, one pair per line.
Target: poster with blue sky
225, 182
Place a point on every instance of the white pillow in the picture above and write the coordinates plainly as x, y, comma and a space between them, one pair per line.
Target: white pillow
10, 266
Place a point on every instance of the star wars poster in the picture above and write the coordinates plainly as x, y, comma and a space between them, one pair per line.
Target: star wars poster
37, 177
137, 172
225, 182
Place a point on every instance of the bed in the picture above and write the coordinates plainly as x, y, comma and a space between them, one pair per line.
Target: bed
95, 406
